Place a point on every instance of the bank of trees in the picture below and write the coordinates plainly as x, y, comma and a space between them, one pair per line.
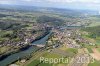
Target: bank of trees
94, 31
52, 20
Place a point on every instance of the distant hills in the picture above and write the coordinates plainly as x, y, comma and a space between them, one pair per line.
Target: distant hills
65, 12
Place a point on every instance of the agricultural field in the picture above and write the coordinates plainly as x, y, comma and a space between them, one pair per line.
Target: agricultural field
54, 54
96, 63
44, 36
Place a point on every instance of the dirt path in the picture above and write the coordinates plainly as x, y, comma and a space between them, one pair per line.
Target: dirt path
95, 54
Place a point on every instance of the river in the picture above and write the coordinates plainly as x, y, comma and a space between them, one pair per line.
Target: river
24, 53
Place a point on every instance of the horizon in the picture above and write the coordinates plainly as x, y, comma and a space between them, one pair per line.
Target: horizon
64, 4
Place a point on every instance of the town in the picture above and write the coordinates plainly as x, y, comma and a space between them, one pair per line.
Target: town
26, 35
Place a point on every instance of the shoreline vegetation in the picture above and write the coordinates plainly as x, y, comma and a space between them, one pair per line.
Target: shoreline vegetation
27, 34
39, 49
2, 57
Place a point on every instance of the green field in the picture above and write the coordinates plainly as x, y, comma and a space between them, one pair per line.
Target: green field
90, 50
49, 56
95, 21
96, 63
94, 24
37, 63
46, 55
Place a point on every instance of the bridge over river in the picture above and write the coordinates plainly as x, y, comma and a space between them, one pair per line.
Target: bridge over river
39, 43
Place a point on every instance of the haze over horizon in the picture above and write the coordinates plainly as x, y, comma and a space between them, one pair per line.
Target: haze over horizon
72, 4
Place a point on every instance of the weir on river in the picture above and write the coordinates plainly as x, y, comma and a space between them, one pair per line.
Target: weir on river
24, 53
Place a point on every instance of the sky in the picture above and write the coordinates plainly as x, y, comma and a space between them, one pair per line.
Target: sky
72, 4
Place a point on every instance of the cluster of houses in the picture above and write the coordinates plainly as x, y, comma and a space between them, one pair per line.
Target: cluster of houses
64, 38
70, 38
25, 35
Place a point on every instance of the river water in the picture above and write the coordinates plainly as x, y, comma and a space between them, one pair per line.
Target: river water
24, 53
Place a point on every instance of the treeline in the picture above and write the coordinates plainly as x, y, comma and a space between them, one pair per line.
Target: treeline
48, 19
11, 26
13, 51
94, 31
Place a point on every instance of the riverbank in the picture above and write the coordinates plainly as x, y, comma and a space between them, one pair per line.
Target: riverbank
3, 56
13, 57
